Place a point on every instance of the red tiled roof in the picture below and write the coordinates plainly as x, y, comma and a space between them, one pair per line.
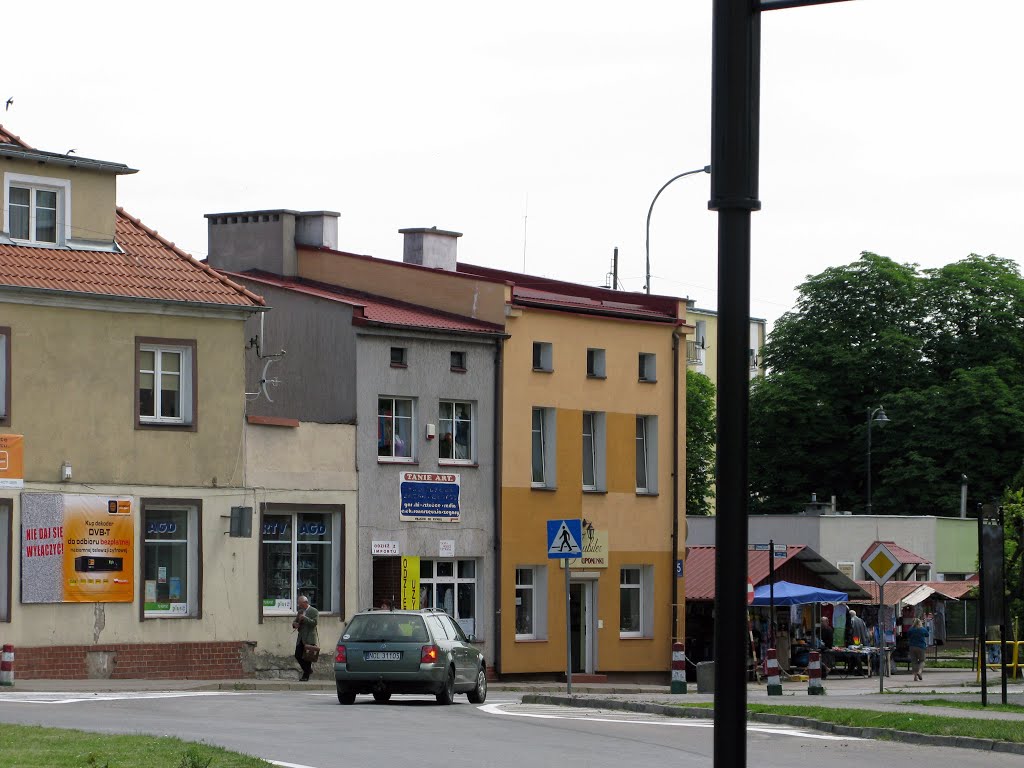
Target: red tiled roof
374, 309
150, 267
905, 556
6, 137
700, 569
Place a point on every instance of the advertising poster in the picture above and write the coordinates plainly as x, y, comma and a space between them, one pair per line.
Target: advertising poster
77, 548
410, 583
430, 496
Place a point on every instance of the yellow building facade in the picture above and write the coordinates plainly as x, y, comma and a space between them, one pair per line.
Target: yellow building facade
587, 399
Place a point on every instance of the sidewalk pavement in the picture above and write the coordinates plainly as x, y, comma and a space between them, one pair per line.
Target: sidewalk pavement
849, 693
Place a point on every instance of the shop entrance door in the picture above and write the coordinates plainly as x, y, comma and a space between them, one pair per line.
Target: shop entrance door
581, 630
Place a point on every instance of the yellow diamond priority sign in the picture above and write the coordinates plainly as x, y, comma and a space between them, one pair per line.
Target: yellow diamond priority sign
880, 564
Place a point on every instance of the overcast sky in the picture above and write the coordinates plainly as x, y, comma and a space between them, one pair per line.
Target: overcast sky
886, 125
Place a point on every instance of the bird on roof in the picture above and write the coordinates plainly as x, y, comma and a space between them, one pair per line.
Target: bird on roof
70, 152
9, 102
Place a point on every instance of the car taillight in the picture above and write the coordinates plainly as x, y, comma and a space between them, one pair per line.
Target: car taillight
429, 654
340, 657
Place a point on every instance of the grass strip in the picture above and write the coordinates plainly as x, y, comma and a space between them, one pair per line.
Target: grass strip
998, 707
23, 746
935, 725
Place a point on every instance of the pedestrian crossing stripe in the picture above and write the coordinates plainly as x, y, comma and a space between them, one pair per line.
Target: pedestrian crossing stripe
564, 539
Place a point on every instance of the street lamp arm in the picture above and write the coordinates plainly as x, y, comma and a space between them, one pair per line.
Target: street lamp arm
647, 243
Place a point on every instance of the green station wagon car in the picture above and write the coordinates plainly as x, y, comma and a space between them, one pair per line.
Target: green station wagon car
389, 651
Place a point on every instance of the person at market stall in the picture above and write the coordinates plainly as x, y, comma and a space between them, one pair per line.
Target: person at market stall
918, 636
827, 637
856, 634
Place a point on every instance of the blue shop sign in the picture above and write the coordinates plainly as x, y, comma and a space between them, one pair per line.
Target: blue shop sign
430, 496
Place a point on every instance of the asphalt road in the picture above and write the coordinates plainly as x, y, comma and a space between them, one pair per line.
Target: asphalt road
311, 730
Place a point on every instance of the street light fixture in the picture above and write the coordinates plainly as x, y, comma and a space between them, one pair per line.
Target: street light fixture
647, 247
874, 416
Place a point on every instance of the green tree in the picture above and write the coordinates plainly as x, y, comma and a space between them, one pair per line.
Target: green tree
700, 443
941, 349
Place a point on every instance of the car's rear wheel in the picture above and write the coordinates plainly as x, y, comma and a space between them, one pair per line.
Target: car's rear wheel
479, 693
382, 697
346, 697
447, 694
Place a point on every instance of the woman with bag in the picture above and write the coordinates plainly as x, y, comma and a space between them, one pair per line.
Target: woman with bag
307, 644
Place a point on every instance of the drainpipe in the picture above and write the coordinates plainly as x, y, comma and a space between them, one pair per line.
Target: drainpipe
499, 348
675, 481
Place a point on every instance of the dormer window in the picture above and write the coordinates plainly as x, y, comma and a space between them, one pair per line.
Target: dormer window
36, 210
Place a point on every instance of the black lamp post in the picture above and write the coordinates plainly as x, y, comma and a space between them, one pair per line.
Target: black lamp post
874, 416
647, 242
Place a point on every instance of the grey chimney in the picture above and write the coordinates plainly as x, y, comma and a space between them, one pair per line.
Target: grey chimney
266, 240
433, 247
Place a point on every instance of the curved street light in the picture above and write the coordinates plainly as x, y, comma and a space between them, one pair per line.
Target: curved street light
705, 169
874, 416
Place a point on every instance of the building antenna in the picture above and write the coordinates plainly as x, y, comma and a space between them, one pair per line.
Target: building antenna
526, 213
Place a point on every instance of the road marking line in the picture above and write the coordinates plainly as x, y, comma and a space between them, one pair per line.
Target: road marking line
75, 698
287, 765
496, 709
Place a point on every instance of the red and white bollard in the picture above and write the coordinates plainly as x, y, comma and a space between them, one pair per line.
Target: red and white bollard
7, 666
772, 670
678, 668
814, 686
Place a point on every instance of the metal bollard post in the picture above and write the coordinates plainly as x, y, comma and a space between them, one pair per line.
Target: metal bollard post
814, 686
7, 666
772, 670
678, 668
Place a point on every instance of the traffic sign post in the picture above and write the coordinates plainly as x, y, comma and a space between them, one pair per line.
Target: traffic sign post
880, 565
564, 543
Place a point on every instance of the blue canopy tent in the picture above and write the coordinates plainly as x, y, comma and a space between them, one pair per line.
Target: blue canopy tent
787, 593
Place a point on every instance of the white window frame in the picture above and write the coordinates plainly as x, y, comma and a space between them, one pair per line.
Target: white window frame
548, 447
546, 356
596, 363
185, 379
337, 520
471, 459
645, 594
411, 458
647, 367
539, 590
189, 609
597, 453
471, 625
647, 445
48, 184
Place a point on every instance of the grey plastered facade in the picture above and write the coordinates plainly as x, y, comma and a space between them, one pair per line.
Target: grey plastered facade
429, 379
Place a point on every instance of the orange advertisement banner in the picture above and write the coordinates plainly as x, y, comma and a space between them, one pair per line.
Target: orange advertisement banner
77, 548
12, 461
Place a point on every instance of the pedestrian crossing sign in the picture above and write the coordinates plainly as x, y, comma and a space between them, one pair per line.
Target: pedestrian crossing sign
564, 537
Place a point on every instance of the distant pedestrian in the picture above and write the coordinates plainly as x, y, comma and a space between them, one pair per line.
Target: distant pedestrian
305, 625
856, 630
918, 637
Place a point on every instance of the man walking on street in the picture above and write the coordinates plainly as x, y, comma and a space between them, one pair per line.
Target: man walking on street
305, 623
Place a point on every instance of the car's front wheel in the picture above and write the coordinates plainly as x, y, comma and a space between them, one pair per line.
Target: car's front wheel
479, 693
447, 694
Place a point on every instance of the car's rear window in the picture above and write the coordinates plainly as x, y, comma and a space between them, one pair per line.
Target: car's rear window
386, 628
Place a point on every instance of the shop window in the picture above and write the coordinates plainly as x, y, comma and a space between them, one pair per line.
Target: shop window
451, 586
171, 559
5, 560
299, 553
531, 607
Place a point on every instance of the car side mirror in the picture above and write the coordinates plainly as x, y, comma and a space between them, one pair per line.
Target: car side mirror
471, 638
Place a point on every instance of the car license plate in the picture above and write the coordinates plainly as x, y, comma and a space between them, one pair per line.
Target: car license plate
382, 655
